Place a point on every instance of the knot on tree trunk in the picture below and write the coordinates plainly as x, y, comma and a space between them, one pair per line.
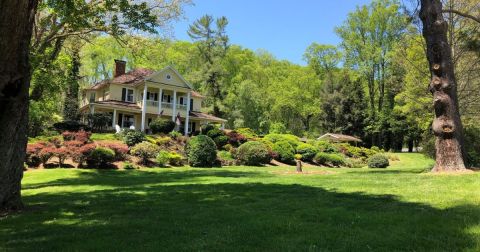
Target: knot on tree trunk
443, 127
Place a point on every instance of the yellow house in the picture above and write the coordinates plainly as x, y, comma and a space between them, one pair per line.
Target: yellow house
137, 97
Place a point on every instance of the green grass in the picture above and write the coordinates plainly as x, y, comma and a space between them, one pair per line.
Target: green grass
103, 136
248, 209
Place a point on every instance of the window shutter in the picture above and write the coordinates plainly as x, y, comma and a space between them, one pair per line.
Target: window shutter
124, 94
156, 97
120, 118
191, 104
148, 95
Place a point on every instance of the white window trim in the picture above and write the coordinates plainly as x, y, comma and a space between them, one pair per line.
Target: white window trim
126, 95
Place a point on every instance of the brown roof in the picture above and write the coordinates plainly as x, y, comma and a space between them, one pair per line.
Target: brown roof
132, 77
196, 94
340, 138
118, 103
201, 115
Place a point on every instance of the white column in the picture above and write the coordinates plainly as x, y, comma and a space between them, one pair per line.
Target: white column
144, 107
174, 107
160, 98
114, 118
187, 117
223, 126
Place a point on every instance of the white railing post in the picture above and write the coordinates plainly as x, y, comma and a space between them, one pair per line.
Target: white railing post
144, 107
187, 116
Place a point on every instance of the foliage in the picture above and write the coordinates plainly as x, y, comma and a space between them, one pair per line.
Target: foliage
285, 151
175, 159
133, 137
80, 153
161, 125
235, 138
325, 146
307, 151
100, 157
80, 136
253, 153
247, 132
201, 151
330, 159
145, 151
99, 121
472, 145
163, 158
298, 156
378, 161
291, 139
354, 163
129, 166
70, 126
278, 128
175, 135
119, 148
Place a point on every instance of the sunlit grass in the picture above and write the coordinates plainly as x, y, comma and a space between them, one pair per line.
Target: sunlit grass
248, 208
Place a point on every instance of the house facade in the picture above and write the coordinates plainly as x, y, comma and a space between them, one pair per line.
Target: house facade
137, 97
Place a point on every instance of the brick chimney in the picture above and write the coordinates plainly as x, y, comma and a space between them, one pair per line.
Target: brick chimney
120, 66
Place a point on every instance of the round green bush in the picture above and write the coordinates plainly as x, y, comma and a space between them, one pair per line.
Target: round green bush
285, 152
378, 161
133, 137
214, 133
100, 157
163, 158
291, 139
253, 153
161, 125
201, 151
329, 159
307, 151
220, 141
145, 151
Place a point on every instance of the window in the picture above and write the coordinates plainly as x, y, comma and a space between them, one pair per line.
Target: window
127, 95
181, 101
166, 98
128, 121
169, 76
152, 96
92, 97
191, 104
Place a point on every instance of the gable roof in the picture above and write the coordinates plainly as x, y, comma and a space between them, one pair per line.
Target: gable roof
174, 71
132, 77
339, 138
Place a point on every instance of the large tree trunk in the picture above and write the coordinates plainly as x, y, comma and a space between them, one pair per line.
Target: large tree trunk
447, 125
16, 19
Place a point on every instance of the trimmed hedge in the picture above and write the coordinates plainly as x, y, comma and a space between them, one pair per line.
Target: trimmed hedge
329, 159
100, 157
378, 161
291, 139
253, 153
201, 151
145, 151
307, 151
133, 137
285, 152
160, 125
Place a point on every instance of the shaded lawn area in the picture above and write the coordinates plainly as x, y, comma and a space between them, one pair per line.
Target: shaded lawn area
248, 209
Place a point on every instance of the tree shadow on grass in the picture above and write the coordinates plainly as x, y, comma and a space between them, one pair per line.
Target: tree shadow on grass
250, 217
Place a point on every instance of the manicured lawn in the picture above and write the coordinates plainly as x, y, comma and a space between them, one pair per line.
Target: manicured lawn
249, 209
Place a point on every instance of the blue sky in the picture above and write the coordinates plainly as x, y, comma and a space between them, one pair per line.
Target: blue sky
284, 28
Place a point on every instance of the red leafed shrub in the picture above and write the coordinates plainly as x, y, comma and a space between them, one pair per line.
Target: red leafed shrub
32, 158
119, 148
72, 144
56, 141
61, 153
79, 154
235, 138
45, 154
81, 136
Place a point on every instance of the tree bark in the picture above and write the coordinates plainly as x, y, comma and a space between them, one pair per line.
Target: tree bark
447, 125
16, 20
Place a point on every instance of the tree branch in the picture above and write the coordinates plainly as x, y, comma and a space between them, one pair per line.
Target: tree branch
465, 15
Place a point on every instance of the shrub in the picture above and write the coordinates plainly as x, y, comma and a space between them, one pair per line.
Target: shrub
298, 156
120, 149
55, 141
100, 157
392, 157
70, 126
329, 159
206, 128
175, 159
253, 153
175, 135
81, 153
144, 151
285, 152
61, 153
81, 136
247, 132
45, 154
307, 151
214, 133
163, 140
278, 128
163, 158
354, 163
99, 121
235, 138
32, 157
133, 137
378, 161
325, 146
201, 151
375, 148
129, 166
291, 139
225, 158
160, 125
220, 141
